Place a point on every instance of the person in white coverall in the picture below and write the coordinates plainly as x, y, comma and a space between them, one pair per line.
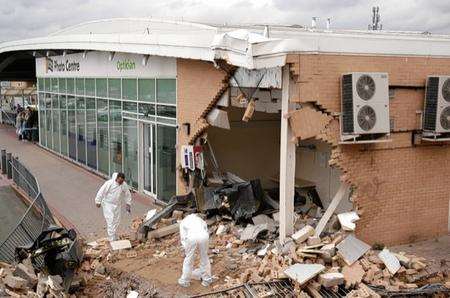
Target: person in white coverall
110, 197
194, 234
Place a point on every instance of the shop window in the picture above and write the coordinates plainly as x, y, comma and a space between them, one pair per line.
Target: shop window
79, 84
91, 133
40, 84
62, 102
48, 124
47, 84
130, 144
115, 132
55, 125
54, 85
55, 101
90, 87
102, 132
81, 105
72, 134
71, 102
114, 88
147, 111
166, 162
101, 87
71, 86
129, 87
63, 128
167, 111
62, 85
146, 90
130, 107
166, 91
81, 130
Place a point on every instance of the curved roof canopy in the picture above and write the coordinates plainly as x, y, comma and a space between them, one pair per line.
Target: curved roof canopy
249, 46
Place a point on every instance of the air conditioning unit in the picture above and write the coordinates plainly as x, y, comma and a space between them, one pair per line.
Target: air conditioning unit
365, 103
436, 116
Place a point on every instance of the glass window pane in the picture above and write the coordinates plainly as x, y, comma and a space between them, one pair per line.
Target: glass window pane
62, 85
79, 86
166, 91
40, 84
55, 101
167, 111
54, 85
62, 102
71, 102
91, 133
101, 87
130, 106
56, 131
63, 129
90, 87
48, 124
114, 89
42, 128
129, 89
146, 90
72, 135
130, 145
81, 105
71, 86
115, 132
81, 136
146, 111
47, 84
166, 162
48, 101
103, 144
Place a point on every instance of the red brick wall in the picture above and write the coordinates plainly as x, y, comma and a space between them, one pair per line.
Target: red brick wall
402, 191
198, 83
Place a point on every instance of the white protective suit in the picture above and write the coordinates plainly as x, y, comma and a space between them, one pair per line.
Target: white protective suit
110, 196
194, 234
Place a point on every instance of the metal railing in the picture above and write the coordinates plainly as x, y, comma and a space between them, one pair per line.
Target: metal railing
37, 217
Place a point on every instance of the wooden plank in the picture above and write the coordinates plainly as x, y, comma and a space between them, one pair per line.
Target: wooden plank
330, 210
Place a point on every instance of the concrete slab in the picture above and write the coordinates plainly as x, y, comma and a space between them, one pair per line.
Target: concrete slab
120, 244
302, 273
351, 249
390, 260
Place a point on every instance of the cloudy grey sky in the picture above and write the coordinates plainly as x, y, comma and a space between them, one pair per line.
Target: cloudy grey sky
31, 18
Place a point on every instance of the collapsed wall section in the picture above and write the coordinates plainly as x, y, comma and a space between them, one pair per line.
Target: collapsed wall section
400, 188
199, 85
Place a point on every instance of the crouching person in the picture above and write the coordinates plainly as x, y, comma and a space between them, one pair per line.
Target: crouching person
194, 234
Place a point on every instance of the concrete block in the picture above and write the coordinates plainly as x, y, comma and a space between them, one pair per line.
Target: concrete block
221, 230
15, 282
390, 260
164, 231
302, 273
251, 232
303, 234
264, 219
331, 279
347, 220
120, 244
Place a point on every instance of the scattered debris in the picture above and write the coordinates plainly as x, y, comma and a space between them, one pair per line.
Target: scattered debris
303, 234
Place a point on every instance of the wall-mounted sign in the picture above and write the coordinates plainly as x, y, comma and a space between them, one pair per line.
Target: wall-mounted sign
100, 64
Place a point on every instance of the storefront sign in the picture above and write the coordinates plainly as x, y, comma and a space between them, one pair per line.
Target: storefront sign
103, 64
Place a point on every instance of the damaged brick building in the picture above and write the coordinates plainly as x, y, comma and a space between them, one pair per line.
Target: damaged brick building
266, 100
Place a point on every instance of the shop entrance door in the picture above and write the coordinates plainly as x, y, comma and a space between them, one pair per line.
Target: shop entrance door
149, 158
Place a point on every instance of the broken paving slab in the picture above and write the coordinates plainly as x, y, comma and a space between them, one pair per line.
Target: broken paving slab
347, 220
120, 244
302, 273
390, 260
251, 232
351, 249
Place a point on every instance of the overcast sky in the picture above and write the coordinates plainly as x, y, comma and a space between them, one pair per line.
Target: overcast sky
31, 18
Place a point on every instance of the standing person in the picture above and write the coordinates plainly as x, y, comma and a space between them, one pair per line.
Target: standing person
110, 197
19, 120
194, 234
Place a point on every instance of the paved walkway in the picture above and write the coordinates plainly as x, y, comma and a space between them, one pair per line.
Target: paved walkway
68, 188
